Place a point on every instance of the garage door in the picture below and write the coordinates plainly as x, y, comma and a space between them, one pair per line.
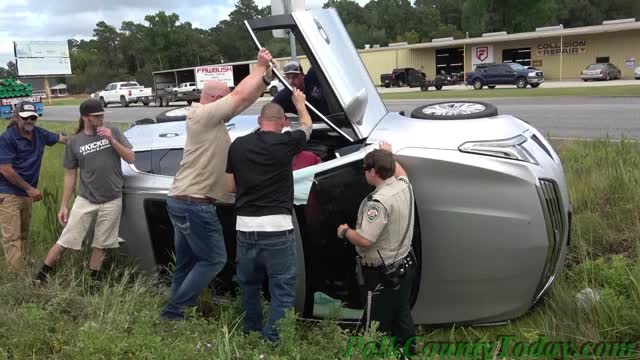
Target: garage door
450, 60
521, 56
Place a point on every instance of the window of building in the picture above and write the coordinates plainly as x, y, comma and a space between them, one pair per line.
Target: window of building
602, 59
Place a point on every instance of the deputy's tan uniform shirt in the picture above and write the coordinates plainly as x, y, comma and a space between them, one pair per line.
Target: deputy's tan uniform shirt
202, 169
383, 218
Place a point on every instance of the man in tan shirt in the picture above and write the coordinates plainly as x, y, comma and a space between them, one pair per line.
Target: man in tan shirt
199, 242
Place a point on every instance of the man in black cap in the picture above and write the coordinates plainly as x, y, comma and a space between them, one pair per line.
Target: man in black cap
21, 150
308, 84
96, 150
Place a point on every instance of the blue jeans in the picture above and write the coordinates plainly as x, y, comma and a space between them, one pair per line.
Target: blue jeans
272, 254
200, 253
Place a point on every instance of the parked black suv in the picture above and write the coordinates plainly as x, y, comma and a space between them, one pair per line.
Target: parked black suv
504, 74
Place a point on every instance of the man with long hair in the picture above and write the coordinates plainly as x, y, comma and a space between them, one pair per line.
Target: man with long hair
200, 183
21, 150
96, 150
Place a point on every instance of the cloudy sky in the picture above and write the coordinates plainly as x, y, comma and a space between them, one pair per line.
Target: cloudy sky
64, 19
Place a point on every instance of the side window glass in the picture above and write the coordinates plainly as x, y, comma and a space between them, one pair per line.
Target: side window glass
169, 162
143, 160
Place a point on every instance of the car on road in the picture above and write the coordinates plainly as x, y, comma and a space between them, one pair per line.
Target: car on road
186, 87
125, 93
492, 207
274, 87
601, 71
636, 73
490, 75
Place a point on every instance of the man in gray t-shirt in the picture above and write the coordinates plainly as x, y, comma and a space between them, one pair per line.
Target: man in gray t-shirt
100, 168
96, 151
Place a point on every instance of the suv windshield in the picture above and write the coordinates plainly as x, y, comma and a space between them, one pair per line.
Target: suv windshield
595, 66
516, 66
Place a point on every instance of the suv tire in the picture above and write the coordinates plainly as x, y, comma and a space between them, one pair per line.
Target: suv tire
455, 110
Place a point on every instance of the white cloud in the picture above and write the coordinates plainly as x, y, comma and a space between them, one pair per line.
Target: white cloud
22, 20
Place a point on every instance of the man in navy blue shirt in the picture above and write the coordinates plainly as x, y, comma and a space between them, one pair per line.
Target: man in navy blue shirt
308, 84
21, 149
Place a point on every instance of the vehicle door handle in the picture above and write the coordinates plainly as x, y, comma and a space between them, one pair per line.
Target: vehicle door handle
323, 34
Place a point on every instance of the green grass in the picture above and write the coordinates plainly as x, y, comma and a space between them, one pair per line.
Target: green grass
73, 100
626, 90
119, 320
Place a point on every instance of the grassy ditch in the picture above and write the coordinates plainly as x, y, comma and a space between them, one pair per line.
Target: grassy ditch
626, 90
71, 320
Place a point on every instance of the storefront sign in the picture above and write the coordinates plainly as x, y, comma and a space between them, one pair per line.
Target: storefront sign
536, 63
481, 55
577, 47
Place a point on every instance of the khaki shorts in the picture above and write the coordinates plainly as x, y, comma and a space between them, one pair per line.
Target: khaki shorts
82, 215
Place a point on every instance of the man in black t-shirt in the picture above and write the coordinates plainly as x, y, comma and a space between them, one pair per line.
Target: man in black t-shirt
259, 172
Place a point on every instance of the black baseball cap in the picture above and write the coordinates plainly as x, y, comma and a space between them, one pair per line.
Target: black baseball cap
26, 109
91, 107
292, 67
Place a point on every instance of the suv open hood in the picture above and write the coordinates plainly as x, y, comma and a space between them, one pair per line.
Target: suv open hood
340, 70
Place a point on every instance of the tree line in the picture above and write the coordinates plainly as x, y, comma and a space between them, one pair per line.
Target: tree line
134, 50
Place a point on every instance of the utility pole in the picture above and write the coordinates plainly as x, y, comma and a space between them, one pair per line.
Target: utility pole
288, 8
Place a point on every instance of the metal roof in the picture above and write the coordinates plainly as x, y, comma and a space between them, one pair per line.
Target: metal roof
586, 30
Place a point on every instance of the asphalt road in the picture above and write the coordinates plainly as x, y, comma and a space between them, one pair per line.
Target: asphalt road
562, 117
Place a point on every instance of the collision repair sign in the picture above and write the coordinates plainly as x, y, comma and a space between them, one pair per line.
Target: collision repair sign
222, 73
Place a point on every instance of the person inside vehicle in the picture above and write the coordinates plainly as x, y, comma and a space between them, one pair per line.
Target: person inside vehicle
308, 84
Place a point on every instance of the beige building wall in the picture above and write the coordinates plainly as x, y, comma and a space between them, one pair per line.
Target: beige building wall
618, 46
581, 52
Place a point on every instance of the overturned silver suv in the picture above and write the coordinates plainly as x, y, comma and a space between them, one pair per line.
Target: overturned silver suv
493, 214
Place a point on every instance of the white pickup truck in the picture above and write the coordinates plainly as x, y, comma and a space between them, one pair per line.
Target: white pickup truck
186, 87
125, 93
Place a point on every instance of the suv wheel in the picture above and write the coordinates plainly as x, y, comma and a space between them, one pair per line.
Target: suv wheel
104, 103
477, 84
455, 110
273, 91
521, 83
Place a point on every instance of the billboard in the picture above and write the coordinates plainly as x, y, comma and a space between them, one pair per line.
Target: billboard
58, 49
43, 66
222, 73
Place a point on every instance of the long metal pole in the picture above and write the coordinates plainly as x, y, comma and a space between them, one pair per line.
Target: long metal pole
288, 9
561, 44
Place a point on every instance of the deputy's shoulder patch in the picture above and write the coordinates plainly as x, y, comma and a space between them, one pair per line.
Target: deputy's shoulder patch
373, 211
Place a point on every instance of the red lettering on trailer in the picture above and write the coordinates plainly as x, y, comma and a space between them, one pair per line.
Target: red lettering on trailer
214, 69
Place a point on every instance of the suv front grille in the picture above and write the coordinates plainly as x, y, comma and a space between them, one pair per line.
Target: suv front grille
552, 208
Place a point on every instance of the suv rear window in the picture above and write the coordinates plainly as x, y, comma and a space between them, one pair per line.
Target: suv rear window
159, 162
129, 84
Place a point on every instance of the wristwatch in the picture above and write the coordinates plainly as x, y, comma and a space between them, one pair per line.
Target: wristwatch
343, 235
265, 81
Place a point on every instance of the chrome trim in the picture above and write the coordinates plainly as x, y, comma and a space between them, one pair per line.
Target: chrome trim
557, 231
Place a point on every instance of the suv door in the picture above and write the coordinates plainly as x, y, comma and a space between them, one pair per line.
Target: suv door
352, 97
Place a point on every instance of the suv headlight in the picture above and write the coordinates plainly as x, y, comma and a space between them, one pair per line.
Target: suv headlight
532, 74
508, 148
